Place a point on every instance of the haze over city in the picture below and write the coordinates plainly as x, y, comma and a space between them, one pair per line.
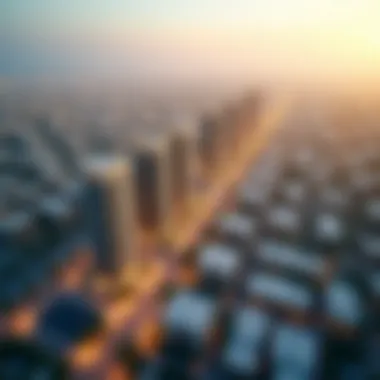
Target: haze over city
294, 41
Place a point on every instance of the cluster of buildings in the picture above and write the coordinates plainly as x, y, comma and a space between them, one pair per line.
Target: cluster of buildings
107, 192
105, 200
284, 281
281, 283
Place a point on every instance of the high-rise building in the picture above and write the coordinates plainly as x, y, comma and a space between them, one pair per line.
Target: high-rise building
57, 217
239, 119
184, 163
73, 195
210, 143
249, 104
152, 170
230, 131
110, 211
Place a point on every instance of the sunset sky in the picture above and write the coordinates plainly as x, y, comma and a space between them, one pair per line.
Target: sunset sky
294, 39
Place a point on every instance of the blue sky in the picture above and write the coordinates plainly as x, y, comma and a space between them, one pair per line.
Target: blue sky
60, 15
44, 36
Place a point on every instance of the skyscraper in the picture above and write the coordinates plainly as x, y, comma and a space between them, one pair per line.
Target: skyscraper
184, 162
152, 170
57, 223
229, 133
110, 211
210, 147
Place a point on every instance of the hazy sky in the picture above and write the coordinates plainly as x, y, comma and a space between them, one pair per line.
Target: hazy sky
191, 38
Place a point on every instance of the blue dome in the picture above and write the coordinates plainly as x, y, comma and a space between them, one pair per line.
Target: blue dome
71, 319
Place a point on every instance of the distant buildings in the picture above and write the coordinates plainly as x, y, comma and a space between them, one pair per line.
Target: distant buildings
13, 148
60, 148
